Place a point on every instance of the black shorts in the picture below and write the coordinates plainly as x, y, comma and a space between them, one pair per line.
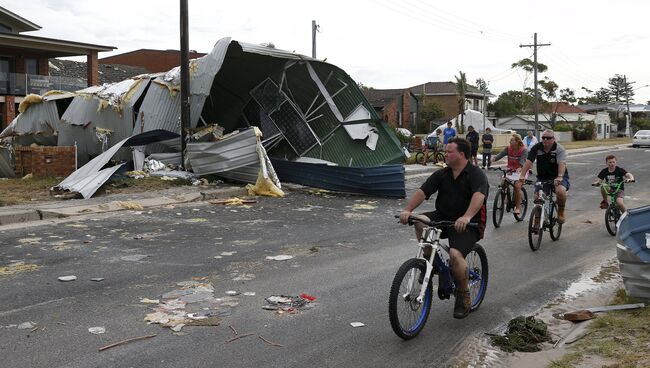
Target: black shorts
463, 242
474, 152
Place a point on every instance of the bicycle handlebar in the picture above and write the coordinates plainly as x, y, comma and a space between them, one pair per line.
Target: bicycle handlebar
617, 183
443, 223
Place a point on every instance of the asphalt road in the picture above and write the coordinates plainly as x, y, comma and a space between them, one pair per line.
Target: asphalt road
345, 251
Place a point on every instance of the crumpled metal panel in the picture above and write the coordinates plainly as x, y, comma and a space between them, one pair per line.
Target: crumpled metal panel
162, 104
227, 154
36, 125
6, 163
633, 251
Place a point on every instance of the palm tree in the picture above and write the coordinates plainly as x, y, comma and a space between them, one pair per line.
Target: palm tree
461, 90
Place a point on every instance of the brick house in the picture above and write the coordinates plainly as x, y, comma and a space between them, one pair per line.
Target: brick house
24, 63
400, 107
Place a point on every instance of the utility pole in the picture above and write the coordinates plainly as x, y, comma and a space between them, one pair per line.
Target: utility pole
535, 45
314, 29
185, 79
627, 104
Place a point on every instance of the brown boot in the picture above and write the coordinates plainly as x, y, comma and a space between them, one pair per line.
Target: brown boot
463, 303
560, 214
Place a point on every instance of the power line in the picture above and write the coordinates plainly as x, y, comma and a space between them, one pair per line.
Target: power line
536, 45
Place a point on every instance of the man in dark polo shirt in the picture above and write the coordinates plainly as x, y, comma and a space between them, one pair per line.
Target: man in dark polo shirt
462, 191
551, 165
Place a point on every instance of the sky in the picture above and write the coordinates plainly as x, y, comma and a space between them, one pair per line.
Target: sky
383, 43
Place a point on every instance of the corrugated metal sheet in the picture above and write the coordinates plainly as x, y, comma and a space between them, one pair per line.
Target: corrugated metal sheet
339, 148
36, 125
224, 155
382, 181
6, 163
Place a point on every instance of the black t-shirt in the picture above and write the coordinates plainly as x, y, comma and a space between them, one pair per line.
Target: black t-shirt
547, 162
612, 177
472, 137
455, 195
487, 137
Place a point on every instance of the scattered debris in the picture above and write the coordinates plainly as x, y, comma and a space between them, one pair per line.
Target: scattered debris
149, 301
523, 334
288, 304
97, 279
67, 278
308, 297
249, 293
130, 205
134, 257
97, 330
126, 341
577, 316
281, 257
234, 201
609, 308
239, 337
269, 342
27, 325
228, 253
17, 267
232, 292
357, 324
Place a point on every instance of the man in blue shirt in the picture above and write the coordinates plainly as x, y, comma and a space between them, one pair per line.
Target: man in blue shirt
448, 133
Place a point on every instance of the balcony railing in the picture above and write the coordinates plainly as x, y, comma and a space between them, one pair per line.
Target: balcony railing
18, 84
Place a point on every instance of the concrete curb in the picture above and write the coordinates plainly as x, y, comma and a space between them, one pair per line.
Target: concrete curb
13, 216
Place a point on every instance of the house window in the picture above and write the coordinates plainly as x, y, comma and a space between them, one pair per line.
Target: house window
31, 66
600, 129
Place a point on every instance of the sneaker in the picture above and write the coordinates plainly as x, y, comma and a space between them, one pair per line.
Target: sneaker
603, 204
463, 304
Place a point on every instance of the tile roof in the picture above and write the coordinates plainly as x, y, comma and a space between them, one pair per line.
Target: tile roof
107, 73
564, 108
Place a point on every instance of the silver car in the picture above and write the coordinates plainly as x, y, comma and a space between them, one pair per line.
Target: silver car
641, 138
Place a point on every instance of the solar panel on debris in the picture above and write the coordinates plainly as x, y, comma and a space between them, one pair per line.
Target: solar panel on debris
294, 128
268, 95
257, 117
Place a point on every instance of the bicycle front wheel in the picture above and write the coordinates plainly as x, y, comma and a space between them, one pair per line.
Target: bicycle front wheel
478, 275
440, 157
556, 228
498, 207
524, 205
407, 315
420, 158
535, 228
611, 218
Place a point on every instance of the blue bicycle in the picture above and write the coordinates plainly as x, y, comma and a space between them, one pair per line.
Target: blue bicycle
410, 298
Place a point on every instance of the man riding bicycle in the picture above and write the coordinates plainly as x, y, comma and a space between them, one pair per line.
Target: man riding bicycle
551, 165
462, 191
613, 174
516, 152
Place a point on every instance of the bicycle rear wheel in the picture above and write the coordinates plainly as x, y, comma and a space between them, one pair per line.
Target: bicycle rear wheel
498, 207
478, 275
535, 228
556, 228
407, 316
524, 205
611, 219
439, 157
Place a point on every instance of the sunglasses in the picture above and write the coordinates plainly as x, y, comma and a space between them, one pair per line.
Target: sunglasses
546, 138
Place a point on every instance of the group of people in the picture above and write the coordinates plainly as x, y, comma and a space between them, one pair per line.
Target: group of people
463, 190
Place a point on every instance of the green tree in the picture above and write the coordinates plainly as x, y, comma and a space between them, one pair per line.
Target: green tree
601, 96
461, 90
512, 103
431, 110
526, 65
619, 88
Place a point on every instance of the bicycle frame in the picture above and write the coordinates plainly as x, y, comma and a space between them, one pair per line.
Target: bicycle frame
430, 238
547, 200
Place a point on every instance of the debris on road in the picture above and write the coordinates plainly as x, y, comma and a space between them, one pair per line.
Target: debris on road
269, 342
27, 325
149, 301
67, 278
234, 201
281, 257
286, 304
17, 267
357, 324
97, 330
126, 341
524, 334
97, 279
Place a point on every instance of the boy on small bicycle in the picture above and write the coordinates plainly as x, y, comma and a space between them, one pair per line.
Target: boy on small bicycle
613, 174
516, 153
462, 190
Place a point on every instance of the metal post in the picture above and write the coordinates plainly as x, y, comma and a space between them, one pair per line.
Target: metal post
185, 79
627, 104
314, 27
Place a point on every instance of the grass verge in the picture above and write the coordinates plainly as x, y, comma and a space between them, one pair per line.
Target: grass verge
618, 336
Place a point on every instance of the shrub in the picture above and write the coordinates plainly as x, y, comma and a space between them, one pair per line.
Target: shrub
584, 131
562, 127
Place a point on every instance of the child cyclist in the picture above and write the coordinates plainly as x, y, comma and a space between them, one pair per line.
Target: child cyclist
516, 152
613, 174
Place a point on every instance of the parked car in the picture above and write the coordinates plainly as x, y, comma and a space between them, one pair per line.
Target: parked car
641, 138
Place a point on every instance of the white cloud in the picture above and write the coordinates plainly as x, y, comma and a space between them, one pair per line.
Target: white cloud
383, 43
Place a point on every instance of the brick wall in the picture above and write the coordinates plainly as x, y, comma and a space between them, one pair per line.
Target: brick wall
45, 160
152, 60
448, 103
8, 110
